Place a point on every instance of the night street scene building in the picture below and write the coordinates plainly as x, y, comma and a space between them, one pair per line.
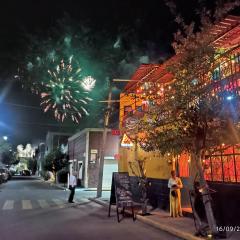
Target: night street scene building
222, 168
130, 107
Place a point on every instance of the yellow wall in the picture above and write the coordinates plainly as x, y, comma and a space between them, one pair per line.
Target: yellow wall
157, 166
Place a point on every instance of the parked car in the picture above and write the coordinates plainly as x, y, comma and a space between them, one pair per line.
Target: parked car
5, 174
1, 178
9, 174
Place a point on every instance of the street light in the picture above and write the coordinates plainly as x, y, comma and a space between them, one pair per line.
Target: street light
5, 138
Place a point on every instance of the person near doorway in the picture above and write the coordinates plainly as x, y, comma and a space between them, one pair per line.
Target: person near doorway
175, 184
72, 185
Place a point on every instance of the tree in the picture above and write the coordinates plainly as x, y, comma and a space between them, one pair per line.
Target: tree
8, 158
139, 170
55, 161
32, 165
190, 115
4, 146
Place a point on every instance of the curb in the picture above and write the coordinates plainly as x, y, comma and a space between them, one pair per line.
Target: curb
163, 227
96, 200
57, 186
53, 184
167, 228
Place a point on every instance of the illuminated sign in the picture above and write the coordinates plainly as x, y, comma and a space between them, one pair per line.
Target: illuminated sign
116, 132
126, 141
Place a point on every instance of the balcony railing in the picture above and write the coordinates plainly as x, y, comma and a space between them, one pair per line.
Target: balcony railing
226, 75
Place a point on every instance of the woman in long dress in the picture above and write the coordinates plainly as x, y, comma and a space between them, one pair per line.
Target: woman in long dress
175, 184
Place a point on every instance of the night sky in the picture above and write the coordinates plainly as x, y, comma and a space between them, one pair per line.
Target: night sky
21, 117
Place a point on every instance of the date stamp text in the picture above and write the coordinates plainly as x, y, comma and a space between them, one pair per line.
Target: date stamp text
228, 228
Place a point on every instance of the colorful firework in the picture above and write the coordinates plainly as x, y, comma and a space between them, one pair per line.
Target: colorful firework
66, 93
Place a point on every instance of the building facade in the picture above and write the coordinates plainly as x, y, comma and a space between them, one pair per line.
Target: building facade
84, 150
222, 170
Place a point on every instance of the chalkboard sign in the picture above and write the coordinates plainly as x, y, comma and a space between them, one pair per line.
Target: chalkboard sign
121, 194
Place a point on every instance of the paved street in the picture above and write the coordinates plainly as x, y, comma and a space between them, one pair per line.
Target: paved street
31, 209
31, 193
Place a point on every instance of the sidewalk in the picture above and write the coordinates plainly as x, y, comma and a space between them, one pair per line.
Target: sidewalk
86, 192
63, 186
181, 227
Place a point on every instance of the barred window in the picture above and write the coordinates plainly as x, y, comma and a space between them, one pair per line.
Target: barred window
224, 165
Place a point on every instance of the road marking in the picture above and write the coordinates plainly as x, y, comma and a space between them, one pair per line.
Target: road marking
26, 204
58, 202
8, 205
43, 203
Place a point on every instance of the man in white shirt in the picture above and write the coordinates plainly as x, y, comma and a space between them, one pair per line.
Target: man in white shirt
72, 185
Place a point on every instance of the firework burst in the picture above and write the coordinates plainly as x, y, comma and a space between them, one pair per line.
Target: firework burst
65, 92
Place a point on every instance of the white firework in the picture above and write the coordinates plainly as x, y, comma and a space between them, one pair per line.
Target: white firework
88, 83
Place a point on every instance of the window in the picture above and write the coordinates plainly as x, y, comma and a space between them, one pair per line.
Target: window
183, 165
127, 110
207, 169
228, 168
139, 108
223, 165
216, 165
216, 74
237, 163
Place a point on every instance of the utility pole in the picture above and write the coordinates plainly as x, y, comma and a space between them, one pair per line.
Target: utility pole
104, 139
105, 131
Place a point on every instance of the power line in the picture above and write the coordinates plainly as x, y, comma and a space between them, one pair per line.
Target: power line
21, 105
38, 108
44, 124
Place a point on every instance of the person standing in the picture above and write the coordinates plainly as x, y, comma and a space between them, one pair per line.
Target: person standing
175, 184
72, 185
